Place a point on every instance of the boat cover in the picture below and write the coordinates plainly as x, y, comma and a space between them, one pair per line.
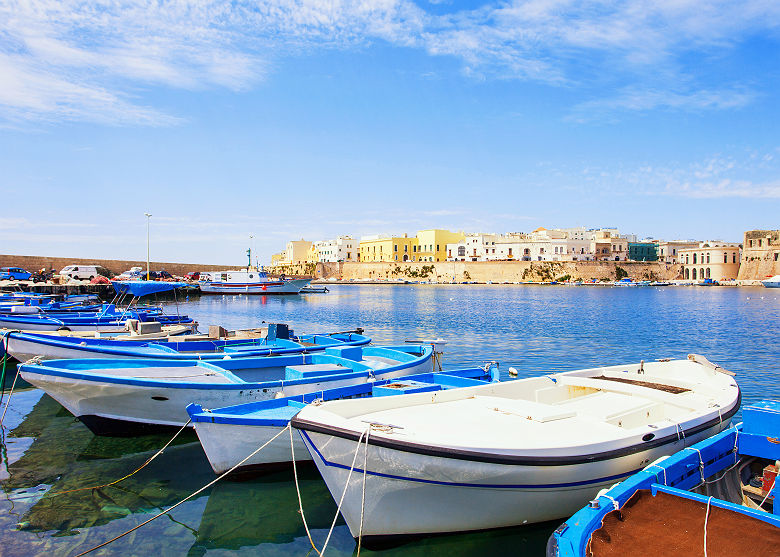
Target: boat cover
144, 287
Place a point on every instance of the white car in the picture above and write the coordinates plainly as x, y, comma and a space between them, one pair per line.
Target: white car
81, 272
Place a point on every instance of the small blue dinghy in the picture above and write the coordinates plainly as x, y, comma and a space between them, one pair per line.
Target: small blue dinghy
228, 435
126, 396
715, 498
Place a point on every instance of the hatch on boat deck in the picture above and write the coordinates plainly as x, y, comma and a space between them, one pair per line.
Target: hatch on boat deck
404, 387
530, 410
310, 370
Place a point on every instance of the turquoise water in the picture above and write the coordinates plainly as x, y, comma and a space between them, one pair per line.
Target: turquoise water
535, 329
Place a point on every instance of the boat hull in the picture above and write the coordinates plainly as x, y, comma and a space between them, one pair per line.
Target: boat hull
263, 288
417, 494
109, 400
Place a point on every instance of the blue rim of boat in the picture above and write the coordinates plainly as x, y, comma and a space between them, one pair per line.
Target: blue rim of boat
43, 369
521, 460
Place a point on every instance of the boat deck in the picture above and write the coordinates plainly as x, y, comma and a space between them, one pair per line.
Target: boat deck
667, 525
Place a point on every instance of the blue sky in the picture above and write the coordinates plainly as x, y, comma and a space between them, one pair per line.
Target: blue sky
282, 120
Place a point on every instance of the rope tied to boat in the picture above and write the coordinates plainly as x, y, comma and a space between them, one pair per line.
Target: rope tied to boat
656, 473
701, 465
706, 518
190, 496
11, 392
614, 501
144, 465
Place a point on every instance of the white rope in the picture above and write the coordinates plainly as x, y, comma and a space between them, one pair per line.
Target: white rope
190, 496
656, 474
298, 489
363, 496
706, 517
701, 464
768, 492
614, 501
343, 493
8, 401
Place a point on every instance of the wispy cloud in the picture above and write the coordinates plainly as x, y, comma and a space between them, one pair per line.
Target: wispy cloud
97, 60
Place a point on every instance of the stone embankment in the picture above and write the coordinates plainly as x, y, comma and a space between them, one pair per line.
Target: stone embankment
484, 271
34, 263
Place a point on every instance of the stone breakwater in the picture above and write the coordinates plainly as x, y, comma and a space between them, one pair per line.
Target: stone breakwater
36, 262
484, 271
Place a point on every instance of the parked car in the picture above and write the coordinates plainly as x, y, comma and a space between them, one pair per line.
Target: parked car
85, 272
135, 273
160, 275
14, 273
192, 275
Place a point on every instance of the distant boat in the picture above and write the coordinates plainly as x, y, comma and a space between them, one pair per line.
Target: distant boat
509, 453
249, 281
704, 497
773, 282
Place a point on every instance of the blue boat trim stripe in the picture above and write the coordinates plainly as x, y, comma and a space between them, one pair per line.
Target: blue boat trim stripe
359, 471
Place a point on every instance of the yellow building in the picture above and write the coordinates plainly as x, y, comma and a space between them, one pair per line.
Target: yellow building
277, 259
388, 248
432, 244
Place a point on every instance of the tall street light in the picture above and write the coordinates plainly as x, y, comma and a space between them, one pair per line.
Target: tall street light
147, 244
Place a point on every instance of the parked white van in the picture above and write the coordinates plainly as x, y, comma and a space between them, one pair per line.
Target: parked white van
84, 272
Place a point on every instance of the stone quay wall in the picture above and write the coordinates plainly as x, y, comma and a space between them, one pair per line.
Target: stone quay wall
483, 271
34, 263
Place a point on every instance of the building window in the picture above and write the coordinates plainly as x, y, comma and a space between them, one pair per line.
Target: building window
396, 258
687, 274
437, 247
708, 258
395, 247
693, 274
759, 242
725, 257
734, 257
461, 251
694, 260
708, 272
775, 256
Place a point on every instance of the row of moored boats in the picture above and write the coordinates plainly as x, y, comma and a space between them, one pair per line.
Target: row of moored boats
407, 449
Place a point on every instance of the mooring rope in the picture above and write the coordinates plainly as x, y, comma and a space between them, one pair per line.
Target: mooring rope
190, 496
706, 518
363, 495
158, 453
10, 393
298, 490
343, 493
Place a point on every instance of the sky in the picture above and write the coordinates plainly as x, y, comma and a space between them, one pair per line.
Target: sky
242, 123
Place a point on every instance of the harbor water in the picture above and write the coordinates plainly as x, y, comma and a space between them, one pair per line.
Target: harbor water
47, 454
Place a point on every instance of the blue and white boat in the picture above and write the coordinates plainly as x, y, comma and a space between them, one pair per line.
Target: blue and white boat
229, 435
123, 396
509, 453
700, 500
23, 345
107, 319
772, 282
249, 281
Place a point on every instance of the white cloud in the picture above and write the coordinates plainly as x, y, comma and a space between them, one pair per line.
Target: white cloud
82, 60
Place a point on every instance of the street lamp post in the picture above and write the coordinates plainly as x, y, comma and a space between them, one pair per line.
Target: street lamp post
147, 244
249, 252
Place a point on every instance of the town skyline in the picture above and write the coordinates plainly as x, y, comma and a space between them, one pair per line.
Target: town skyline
230, 119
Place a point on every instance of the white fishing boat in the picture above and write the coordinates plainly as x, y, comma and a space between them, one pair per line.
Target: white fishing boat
509, 453
773, 282
248, 281
125, 396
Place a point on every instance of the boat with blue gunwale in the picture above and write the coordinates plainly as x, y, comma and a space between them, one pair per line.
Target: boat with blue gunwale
700, 499
228, 435
126, 396
772, 282
253, 342
509, 453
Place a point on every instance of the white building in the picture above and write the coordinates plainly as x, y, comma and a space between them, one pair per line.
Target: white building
343, 248
668, 251
711, 260
474, 247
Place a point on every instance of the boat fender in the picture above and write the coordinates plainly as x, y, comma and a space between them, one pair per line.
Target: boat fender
512, 371
227, 358
279, 394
